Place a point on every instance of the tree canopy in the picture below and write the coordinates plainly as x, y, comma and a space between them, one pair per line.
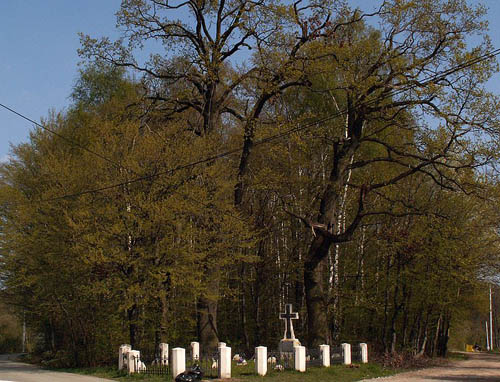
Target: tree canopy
266, 153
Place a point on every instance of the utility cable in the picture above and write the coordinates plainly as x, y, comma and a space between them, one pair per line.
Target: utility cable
433, 78
114, 163
70, 141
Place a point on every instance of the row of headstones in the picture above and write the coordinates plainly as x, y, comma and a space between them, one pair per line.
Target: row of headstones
131, 359
299, 357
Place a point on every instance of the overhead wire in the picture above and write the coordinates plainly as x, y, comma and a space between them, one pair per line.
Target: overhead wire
114, 163
71, 141
433, 78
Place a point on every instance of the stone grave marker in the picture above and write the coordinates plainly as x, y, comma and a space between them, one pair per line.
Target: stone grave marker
289, 341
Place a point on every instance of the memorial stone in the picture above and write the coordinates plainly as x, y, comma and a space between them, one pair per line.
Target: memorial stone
122, 356
347, 353
364, 352
289, 341
178, 361
163, 353
224, 362
133, 359
195, 350
299, 353
261, 360
325, 355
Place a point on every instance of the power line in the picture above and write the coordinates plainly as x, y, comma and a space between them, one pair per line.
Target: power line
433, 78
72, 142
116, 164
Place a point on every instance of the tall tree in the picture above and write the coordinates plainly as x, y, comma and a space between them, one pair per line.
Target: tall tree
199, 76
412, 100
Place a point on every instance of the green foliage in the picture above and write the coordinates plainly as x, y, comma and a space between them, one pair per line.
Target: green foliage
98, 85
371, 221
10, 332
80, 265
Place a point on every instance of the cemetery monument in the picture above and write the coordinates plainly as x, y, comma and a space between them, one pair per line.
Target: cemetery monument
289, 341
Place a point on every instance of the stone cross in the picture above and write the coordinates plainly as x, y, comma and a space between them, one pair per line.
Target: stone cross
288, 316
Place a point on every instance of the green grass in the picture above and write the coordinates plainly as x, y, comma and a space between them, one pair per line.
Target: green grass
319, 374
113, 373
247, 373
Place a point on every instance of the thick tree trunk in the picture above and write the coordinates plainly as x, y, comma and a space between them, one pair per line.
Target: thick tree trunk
436, 336
164, 320
406, 317
257, 294
317, 321
257, 327
423, 346
207, 318
132, 325
386, 303
416, 328
328, 212
396, 306
395, 314
207, 324
243, 308
424, 341
443, 338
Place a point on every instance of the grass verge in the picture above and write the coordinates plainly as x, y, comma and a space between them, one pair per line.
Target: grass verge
246, 373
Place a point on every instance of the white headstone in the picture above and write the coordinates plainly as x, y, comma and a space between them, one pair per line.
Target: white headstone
325, 354
299, 353
178, 361
224, 362
163, 353
133, 359
261, 360
142, 366
347, 353
222, 344
195, 350
364, 352
122, 355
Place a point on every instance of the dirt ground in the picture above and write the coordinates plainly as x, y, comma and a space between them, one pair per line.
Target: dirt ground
480, 367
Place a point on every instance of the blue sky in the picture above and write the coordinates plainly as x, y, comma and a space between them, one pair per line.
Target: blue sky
38, 64
38, 59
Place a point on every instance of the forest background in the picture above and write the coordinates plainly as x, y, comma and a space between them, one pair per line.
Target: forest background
345, 162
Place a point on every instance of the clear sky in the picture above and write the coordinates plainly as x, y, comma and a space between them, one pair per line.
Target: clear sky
38, 55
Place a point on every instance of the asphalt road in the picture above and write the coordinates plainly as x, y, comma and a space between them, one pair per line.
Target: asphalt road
479, 367
13, 371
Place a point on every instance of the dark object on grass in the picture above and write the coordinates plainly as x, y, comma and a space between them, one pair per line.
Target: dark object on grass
192, 375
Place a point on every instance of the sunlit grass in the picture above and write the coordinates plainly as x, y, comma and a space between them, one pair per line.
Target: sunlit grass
247, 373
